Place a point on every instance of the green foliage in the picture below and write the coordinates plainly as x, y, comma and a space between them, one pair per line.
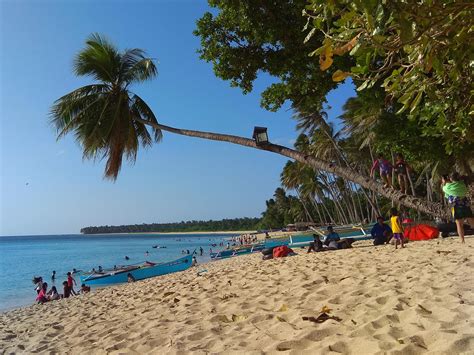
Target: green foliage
281, 211
420, 52
236, 224
105, 117
250, 37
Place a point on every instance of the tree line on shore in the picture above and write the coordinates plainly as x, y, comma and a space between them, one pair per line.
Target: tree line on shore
234, 224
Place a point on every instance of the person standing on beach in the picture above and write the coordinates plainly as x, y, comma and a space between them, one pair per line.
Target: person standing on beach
70, 283
385, 170
397, 227
455, 190
201, 250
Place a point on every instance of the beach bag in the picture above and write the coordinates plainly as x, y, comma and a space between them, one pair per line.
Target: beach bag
267, 256
281, 251
267, 251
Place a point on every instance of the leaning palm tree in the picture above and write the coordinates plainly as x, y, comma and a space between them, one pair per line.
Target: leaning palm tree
110, 121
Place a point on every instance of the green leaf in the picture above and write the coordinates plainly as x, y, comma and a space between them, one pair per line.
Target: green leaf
405, 99
309, 35
417, 100
363, 86
406, 30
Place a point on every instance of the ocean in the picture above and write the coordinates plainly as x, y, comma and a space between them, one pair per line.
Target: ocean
23, 257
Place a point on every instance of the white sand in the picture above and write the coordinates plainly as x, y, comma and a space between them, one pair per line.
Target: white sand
416, 300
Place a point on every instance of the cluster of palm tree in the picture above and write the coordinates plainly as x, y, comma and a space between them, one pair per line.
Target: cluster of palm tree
369, 126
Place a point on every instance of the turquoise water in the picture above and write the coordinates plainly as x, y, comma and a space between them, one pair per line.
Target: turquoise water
23, 257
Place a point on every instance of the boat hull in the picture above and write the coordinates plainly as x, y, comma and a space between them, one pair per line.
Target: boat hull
224, 254
140, 273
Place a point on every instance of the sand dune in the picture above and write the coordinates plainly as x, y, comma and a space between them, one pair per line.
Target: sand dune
381, 300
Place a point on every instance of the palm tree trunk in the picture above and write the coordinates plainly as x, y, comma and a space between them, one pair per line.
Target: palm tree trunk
335, 199
316, 207
304, 206
422, 205
325, 208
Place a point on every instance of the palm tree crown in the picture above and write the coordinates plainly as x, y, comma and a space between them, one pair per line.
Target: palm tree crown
106, 117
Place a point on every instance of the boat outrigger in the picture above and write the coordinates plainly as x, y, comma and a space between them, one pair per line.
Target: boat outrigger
139, 272
241, 250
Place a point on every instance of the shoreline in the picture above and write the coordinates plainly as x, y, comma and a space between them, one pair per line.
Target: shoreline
168, 233
244, 304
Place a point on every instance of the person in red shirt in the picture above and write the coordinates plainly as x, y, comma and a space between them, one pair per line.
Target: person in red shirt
70, 282
42, 298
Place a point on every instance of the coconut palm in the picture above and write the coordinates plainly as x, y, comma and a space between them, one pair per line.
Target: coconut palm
107, 118
110, 121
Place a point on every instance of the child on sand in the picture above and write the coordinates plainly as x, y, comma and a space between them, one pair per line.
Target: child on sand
66, 290
53, 294
397, 228
42, 294
385, 169
455, 190
85, 289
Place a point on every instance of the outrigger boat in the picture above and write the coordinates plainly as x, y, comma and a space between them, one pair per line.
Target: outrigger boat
242, 250
356, 232
139, 272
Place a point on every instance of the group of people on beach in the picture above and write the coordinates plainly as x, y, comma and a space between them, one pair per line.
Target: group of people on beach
45, 295
453, 186
382, 233
244, 239
455, 191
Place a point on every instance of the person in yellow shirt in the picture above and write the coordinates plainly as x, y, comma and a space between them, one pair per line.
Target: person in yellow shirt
397, 228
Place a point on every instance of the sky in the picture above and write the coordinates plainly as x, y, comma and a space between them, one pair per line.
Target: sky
45, 185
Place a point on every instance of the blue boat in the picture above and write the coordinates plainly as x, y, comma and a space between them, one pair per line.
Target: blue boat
139, 272
223, 254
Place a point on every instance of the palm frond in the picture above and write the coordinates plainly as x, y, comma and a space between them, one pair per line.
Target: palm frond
136, 67
147, 114
100, 59
106, 118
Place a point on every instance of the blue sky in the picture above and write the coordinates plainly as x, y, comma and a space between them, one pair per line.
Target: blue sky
46, 187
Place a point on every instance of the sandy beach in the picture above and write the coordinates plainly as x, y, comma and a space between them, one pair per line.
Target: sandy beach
377, 300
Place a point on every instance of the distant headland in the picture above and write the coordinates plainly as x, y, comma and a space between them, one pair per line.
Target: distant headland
224, 225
